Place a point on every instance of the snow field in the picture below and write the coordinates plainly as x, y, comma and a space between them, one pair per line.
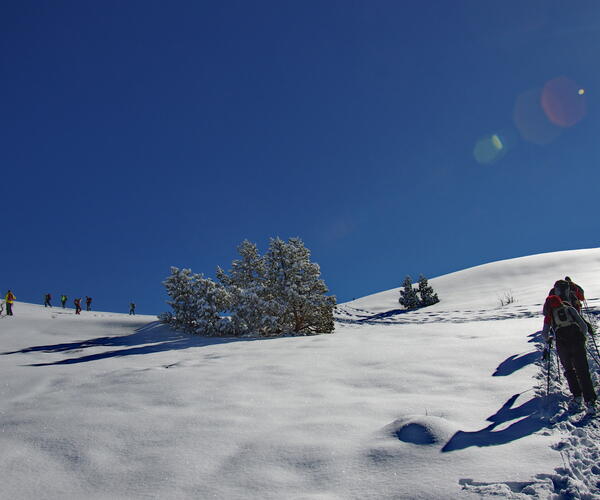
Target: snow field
438, 403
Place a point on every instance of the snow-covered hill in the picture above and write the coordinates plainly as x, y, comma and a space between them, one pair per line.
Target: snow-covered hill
445, 402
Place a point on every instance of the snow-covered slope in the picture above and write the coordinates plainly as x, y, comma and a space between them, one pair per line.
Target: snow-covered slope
439, 403
529, 279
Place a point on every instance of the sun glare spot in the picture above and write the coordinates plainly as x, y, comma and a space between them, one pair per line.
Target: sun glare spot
561, 103
489, 149
497, 142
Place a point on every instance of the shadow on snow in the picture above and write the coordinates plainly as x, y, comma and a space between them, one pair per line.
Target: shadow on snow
516, 362
148, 339
531, 421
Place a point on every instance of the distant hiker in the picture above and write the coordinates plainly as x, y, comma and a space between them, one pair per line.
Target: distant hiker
570, 334
576, 289
566, 290
131, 308
88, 303
9, 299
47, 299
77, 303
63, 300
1, 307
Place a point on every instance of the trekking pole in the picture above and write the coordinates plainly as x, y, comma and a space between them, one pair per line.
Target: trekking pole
593, 355
551, 340
592, 333
548, 357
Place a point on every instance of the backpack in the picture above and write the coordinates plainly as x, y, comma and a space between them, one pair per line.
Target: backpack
562, 317
566, 292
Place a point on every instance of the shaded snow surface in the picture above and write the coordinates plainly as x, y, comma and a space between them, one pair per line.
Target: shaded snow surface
445, 402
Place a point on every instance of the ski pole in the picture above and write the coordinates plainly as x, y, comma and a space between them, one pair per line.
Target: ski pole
547, 356
552, 338
593, 355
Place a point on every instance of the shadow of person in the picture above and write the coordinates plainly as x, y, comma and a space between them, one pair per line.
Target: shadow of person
516, 362
530, 421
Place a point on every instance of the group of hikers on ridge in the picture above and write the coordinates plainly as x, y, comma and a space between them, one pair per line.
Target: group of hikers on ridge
63, 301
10, 298
564, 325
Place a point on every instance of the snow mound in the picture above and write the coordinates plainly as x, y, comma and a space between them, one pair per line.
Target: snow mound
422, 430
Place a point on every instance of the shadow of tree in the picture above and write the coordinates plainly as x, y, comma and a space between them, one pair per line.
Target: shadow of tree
150, 338
516, 362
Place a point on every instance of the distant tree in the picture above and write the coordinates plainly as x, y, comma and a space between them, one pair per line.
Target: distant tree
425, 291
183, 301
250, 310
408, 295
196, 302
280, 292
295, 291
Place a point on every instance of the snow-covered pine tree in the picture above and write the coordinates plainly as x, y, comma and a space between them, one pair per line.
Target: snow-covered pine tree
295, 292
183, 300
428, 296
245, 283
196, 302
212, 300
408, 295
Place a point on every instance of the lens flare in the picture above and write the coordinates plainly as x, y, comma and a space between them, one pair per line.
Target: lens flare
531, 121
563, 102
489, 149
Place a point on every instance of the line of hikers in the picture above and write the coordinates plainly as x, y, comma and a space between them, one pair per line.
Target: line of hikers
564, 325
63, 301
9, 300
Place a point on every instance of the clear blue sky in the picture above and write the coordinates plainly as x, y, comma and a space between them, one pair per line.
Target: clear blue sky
138, 135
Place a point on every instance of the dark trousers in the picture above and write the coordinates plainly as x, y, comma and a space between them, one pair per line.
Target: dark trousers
570, 345
9, 309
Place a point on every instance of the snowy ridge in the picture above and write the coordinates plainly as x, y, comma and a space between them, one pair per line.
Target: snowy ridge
446, 402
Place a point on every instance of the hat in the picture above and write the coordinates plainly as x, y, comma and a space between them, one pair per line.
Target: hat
554, 301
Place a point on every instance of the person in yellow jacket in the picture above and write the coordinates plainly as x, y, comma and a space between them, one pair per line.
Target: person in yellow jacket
10, 298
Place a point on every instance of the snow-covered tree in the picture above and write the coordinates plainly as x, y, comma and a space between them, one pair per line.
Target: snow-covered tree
245, 283
428, 296
196, 302
212, 300
181, 291
295, 293
276, 293
408, 295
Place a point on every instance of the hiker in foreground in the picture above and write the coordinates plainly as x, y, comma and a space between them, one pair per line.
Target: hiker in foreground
570, 334
77, 303
9, 299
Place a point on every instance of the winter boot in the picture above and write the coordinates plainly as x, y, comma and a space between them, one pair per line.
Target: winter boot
576, 404
592, 408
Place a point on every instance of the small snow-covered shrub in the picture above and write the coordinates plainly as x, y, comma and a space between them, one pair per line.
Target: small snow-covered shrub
421, 297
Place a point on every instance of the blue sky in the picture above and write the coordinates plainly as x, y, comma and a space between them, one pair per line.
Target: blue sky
139, 135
